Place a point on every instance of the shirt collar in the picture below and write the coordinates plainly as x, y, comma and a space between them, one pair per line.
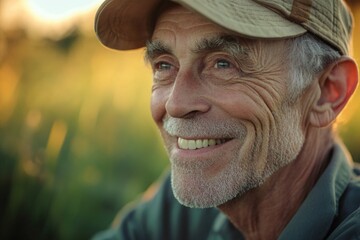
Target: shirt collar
315, 215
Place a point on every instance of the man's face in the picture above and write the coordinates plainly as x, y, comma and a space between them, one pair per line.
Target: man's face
220, 102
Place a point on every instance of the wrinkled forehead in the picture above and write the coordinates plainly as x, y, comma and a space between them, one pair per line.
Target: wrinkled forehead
175, 17
177, 25
180, 24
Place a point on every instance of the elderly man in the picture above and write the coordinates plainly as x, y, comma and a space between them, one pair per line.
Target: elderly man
245, 94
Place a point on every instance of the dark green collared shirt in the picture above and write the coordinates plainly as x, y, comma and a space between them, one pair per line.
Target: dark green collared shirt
330, 211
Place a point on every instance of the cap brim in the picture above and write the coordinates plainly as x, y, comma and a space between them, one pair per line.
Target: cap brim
128, 24
125, 24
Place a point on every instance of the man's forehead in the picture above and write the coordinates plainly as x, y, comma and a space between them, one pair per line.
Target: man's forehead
174, 20
184, 18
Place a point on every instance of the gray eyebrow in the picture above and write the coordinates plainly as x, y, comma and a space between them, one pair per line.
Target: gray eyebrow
227, 43
156, 48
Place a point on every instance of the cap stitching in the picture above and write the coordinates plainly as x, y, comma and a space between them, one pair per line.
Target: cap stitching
258, 16
300, 10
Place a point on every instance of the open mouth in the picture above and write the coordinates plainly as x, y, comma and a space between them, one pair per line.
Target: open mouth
193, 144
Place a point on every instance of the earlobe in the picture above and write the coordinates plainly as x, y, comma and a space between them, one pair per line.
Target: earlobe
337, 84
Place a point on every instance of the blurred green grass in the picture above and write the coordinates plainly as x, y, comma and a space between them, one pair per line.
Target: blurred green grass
76, 139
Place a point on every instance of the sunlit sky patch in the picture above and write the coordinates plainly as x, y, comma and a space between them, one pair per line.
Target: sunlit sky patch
50, 18
58, 10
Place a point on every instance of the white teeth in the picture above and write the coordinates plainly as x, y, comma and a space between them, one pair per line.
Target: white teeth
199, 143
212, 142
205, 143
192, 144
184, 144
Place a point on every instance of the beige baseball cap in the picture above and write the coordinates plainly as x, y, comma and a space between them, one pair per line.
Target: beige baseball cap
128, 24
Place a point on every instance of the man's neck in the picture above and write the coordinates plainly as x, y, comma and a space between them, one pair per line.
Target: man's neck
263, 213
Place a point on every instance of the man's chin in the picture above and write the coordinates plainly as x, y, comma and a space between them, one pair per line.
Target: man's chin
194, 202
198, 193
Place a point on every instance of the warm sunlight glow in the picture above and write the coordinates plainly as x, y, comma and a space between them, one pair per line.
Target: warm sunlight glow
50, 18
57, 10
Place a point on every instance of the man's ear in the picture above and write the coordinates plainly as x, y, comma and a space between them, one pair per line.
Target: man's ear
337, 84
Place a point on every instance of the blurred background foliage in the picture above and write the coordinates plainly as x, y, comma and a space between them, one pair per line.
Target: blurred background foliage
76, 137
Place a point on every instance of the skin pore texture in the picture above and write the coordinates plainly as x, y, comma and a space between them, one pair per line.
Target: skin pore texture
234, 138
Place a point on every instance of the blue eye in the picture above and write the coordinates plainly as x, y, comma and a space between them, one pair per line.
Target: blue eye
162, 66
222, 64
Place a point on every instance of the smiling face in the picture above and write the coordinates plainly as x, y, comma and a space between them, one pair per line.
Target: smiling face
221, 104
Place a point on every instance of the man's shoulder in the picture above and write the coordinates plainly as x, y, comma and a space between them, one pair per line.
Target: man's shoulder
348, 229
162, 217
356, 171
347, 223
350, 200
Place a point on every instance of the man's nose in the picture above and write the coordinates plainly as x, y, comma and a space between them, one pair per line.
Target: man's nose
187, 97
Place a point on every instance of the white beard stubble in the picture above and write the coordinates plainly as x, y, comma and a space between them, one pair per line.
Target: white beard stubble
193, 187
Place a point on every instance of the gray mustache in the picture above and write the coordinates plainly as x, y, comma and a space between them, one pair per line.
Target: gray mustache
200, 127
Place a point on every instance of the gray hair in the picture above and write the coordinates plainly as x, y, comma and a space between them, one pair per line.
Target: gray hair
308, 56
